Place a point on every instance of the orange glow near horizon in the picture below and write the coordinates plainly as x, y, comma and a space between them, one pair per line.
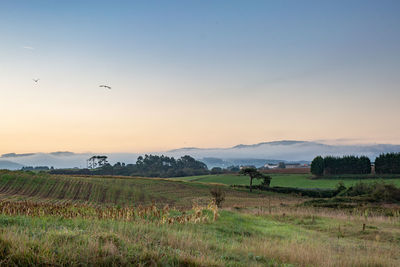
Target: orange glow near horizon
211, 79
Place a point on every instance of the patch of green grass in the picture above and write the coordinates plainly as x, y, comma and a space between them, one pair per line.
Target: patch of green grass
285, 180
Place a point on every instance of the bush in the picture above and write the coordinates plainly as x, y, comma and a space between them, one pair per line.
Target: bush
340, 187
266, 181
386, 192
377, 192
218, 195
216, 170
359, 189
323, 193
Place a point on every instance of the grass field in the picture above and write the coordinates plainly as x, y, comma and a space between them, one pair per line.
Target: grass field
20, 186
236, 239
285, 180
258, 229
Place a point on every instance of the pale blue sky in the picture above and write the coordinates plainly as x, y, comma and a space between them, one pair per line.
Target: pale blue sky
196, 73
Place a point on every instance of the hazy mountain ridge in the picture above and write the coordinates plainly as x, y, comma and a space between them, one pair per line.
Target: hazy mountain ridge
9, 165
277, 143
14, 155
291, 150
272, 152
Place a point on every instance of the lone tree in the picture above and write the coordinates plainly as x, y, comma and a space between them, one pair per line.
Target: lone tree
96, 161
253, 173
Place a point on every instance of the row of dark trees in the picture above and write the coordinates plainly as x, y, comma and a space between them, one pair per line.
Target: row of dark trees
163, 166
388, 163
147, 166
36, 168
340, 165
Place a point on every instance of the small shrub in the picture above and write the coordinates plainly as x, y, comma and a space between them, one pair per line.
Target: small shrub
359, 189
218, 195
266, 181
385, 192
340, 187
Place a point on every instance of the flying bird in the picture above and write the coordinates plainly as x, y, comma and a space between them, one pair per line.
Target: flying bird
35, 80
105, 86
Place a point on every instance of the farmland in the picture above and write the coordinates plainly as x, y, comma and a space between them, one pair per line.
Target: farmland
77, 220
287, 180
106, 190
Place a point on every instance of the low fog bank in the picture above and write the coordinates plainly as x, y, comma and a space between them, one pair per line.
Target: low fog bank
293, 151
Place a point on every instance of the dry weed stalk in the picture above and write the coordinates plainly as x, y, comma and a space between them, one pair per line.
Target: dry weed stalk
69, 211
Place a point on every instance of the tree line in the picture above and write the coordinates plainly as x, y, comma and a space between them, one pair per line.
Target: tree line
147, 166
388, 163
340, 165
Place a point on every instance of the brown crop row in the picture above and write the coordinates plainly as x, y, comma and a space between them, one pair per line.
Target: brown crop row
69, 211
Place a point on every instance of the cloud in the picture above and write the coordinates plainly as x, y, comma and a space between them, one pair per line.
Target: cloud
28, 47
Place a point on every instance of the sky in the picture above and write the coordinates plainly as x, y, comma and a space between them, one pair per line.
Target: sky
196, 73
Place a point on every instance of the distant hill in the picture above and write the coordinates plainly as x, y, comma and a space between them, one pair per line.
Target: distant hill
224, 163
9, 165
14, 155
273, 143
62, 153
252, 154
288, 150
65, 159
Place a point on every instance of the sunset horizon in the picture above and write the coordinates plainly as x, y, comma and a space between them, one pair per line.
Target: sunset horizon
193, 75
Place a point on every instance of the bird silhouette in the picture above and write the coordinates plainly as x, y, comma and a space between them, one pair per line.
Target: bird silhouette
105, 86
35, 80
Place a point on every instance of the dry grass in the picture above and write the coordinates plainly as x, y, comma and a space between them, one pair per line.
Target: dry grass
144, 214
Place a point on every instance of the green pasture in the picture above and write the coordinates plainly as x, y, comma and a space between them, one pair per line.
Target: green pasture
286, 180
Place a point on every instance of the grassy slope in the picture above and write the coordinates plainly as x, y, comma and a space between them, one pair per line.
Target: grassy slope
286, 180
17, 186
244, 235
236, 239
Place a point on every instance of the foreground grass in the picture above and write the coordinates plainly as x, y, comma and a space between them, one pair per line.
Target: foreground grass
284, 180
235, 239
